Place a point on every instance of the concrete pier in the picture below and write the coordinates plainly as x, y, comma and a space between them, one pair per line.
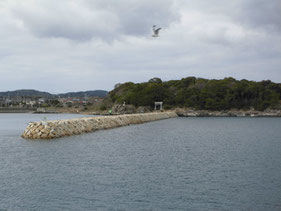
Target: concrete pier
61, 128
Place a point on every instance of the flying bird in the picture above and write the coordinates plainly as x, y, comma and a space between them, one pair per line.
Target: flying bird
155, 31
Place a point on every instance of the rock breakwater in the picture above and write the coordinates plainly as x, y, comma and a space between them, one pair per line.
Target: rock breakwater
61, 128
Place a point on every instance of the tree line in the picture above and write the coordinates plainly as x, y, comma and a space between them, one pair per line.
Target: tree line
200, 93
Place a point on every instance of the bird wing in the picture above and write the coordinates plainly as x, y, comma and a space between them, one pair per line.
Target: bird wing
157, 30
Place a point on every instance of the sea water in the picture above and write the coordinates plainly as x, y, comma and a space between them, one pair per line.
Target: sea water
172, 164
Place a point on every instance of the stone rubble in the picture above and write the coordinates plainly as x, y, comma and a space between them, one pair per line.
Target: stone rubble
228, 113
61, 128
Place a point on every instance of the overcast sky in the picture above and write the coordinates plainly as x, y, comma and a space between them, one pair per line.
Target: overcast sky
73, 45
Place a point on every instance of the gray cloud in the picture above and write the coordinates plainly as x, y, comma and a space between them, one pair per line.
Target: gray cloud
84, 19
41, 48
261, 13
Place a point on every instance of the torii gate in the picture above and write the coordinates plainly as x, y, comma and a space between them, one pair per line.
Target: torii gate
158, 104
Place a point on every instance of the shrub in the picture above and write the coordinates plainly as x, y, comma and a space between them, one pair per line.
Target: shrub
102, 107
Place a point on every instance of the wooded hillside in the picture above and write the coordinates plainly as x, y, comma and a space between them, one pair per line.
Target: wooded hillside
200, 93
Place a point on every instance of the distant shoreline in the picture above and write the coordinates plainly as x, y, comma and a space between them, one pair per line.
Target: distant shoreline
16, 110
181, 112
227, 113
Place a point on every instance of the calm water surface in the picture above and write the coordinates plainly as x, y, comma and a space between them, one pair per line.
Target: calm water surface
174, 164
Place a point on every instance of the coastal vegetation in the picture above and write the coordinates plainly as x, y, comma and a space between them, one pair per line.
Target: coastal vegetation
201, 94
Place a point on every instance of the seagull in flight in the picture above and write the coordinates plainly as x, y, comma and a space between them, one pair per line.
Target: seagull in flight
155, 31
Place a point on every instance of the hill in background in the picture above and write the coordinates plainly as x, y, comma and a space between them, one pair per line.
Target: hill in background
95, 93
36, 93
26, 92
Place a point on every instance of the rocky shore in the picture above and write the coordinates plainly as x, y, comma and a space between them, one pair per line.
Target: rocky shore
229, 113
16, 110
61, 128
